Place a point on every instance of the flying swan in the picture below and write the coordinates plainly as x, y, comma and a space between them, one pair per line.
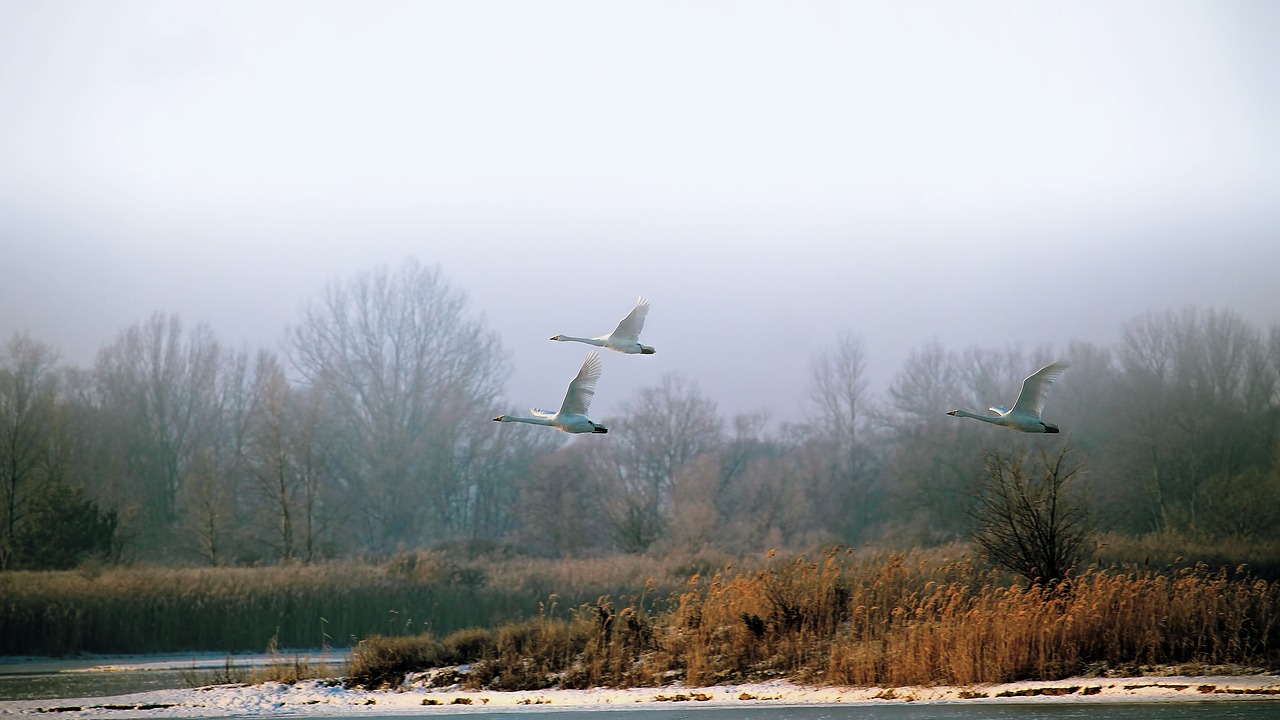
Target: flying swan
572, 417
625, 338
1025, 415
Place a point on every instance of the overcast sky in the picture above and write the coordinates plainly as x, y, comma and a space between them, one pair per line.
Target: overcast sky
769, 174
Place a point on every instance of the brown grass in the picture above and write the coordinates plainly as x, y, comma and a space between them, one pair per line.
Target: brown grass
159, 609
1168, 552
865, 620
894, 624
841, 616
154, 609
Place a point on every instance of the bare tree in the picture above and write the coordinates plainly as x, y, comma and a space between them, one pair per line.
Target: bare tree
208, 508
809, 500
665, 428
161, 387
397, 356
839, 392
741, 464
28, 394
1026, 518
993, 375
1273, 361
629, 503
288, 457
928, 459
763, 509
271, 456
695, 519
1195, 401
927, 385
313, 448
489, 469
557, 502
840, 433
1244, 507
213, 510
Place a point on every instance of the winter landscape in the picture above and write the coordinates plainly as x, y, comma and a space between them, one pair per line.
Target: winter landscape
418, 695
764, 360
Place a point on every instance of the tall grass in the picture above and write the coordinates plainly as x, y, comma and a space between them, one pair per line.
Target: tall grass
840, 616
845, 618
1173, 551
887, 622
149, 609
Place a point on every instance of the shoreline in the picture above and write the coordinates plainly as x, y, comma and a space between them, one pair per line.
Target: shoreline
321, 698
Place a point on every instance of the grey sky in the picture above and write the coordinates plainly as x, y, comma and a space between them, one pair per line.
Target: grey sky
769, 174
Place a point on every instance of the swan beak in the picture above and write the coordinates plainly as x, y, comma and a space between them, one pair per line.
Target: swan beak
953, 412
499, 418
599, 430
555, 337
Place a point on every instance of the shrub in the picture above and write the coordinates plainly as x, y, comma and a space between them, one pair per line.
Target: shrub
381, 661
62, 529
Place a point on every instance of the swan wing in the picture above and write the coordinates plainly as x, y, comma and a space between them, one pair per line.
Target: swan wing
633, 323
1035, 389
539, 412
578, 399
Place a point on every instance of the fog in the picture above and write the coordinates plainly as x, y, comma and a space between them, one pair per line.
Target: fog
769, 175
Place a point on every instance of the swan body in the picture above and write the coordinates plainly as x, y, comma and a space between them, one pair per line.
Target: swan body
572, 416
625, 338
1025, 415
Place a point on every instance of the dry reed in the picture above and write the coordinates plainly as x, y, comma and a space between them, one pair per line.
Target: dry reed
846, 618
841, 616
152, 609
219, 609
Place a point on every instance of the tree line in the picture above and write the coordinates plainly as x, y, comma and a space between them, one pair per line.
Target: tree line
362, 437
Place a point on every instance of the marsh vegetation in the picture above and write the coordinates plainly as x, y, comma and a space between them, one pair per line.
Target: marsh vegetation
860, 617
180, 495
846, 618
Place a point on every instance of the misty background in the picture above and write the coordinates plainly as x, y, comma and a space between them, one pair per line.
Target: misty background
770, 175
270, 269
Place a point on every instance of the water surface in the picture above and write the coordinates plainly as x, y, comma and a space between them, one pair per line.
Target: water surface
46, 679
1222, 710
105, 677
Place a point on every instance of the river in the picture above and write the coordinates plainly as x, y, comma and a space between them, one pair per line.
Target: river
26, 679
44, 678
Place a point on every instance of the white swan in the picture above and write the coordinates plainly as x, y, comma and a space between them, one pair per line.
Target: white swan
1025, 415
572, 417
625, 338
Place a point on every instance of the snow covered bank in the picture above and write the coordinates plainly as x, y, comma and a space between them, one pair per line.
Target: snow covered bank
321, 698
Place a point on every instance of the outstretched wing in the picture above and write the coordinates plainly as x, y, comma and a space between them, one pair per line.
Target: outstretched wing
633, 323
1035, 389
578, 399
539, 412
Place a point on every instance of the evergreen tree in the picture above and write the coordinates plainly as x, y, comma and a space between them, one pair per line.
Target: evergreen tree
64, 528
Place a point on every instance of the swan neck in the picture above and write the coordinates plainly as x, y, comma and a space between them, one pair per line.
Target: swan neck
590, 341
531, 421
983, 418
